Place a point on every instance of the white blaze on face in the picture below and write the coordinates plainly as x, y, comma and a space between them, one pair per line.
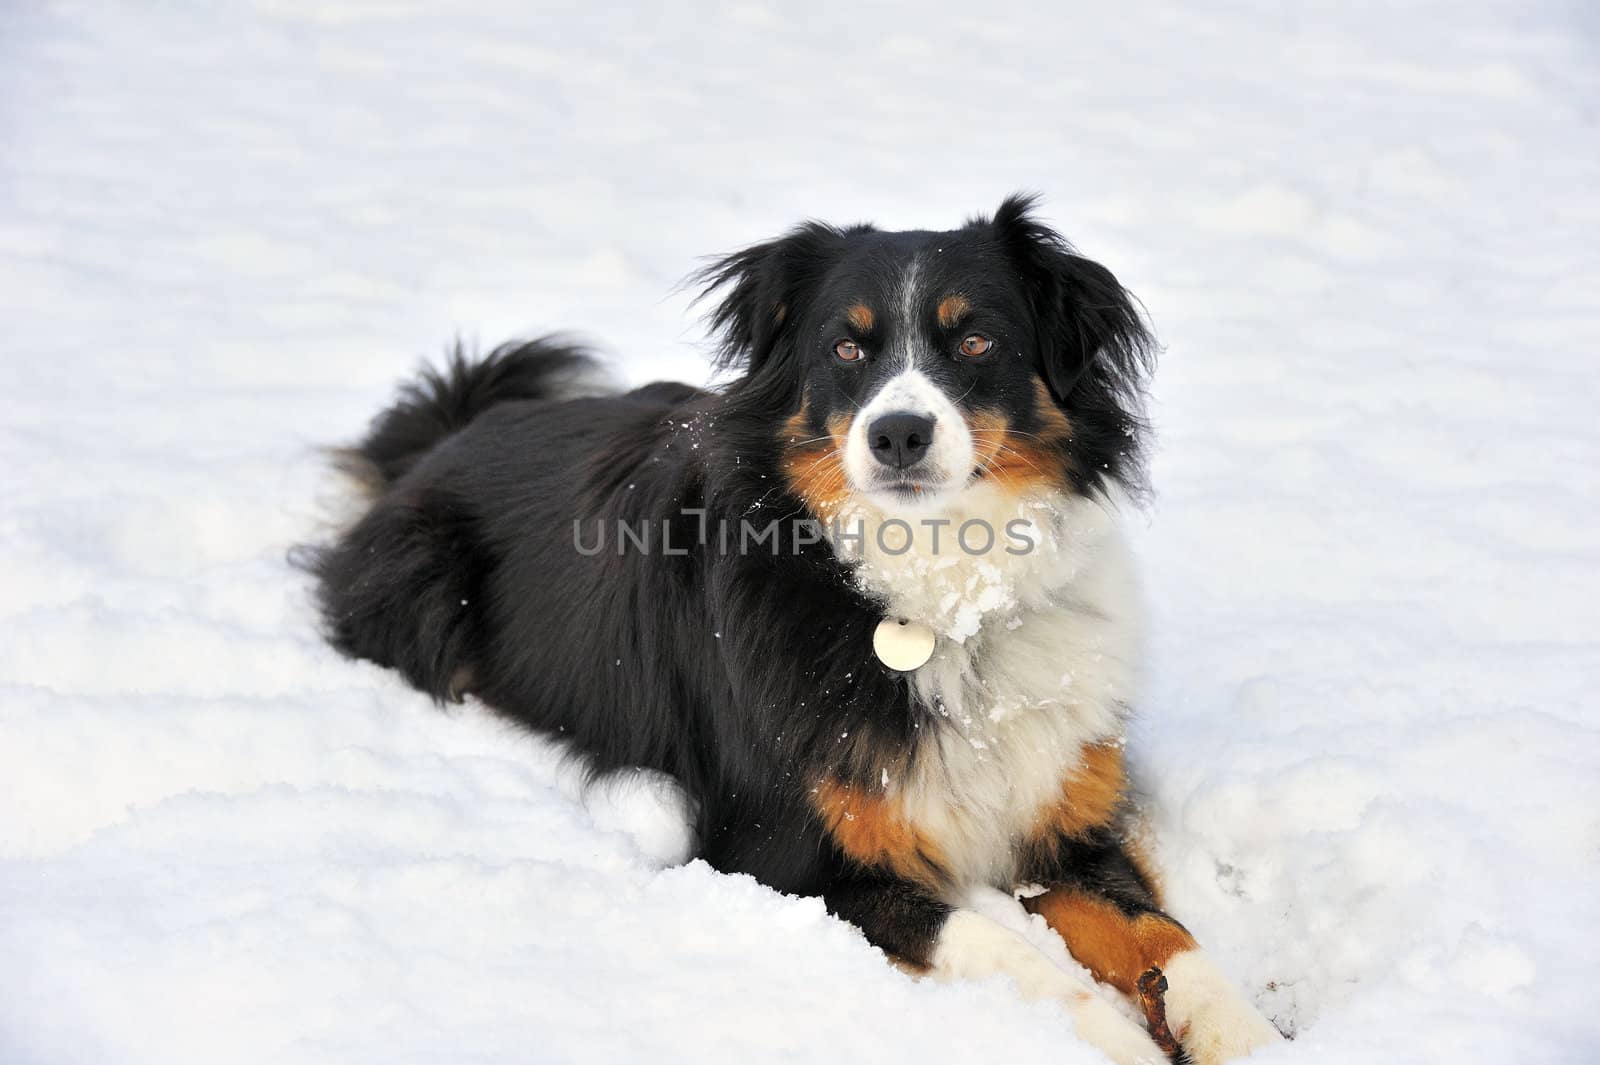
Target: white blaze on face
948, 464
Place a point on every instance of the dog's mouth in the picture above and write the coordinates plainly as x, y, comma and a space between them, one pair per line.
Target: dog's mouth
911, 486
904, 491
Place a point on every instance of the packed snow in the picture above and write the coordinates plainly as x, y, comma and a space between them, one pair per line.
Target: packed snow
1368, 235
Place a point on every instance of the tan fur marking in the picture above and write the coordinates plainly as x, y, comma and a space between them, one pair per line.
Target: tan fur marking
1055, 426
860, 317
1116, 948
1022, 461
951, 308
813, 466
1017, 461
1090, 796
795, 427
874, 831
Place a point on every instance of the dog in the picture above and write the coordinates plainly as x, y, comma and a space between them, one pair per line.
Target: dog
867, 602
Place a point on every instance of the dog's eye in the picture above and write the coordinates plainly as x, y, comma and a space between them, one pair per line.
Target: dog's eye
976, 345
848, 350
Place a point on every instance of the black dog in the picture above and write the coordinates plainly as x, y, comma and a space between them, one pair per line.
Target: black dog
868, 603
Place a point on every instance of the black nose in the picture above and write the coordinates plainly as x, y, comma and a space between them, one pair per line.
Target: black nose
900, 439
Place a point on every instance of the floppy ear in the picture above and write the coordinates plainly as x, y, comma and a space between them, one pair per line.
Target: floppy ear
1094, 342
763, 286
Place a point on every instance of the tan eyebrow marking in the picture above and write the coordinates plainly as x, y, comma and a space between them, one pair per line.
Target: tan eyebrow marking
951, 308
860, 317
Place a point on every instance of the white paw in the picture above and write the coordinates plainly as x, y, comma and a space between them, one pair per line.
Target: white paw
974, 947
1211, 1018
1103, 1026
1215, 1037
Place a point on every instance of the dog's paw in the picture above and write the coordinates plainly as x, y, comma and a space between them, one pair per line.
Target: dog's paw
1212, 1018
1219, 1036
974, 947
1106, 1028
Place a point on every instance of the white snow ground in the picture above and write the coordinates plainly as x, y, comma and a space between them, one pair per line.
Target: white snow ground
1369, 234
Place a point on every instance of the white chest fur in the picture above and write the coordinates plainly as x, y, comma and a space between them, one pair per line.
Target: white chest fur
1035, 660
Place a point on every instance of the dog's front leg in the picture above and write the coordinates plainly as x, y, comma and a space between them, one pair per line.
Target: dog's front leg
1105, 909
955, 944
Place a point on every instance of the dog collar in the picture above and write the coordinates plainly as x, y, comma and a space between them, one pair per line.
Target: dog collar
902, 644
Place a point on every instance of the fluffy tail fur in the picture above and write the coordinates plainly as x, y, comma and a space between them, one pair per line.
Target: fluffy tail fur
444, 400
394, 586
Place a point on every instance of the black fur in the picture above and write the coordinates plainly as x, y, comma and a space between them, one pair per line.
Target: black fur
745, 677
442, 401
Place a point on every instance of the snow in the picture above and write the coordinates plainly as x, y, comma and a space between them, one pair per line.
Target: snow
1368, 235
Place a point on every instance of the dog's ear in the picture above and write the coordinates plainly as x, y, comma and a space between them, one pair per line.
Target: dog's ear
1095, 352
762, 287
1093, 339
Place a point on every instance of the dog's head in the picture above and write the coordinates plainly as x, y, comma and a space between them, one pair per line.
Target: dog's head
904, 368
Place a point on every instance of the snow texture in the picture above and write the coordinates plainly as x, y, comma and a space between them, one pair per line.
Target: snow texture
1369, 235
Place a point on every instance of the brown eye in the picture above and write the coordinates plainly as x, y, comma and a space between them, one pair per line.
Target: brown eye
976, 345
847, 350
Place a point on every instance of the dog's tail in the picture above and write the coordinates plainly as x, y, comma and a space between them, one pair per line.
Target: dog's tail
443, 400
